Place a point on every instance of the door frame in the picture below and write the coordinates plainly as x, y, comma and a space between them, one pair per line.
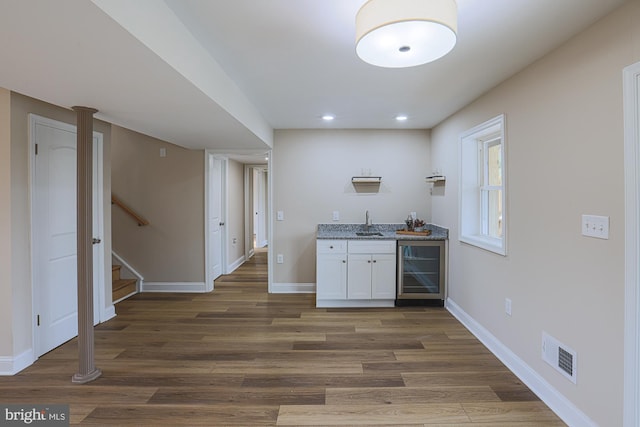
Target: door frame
98, 195
248, 215
209, 286
631, 412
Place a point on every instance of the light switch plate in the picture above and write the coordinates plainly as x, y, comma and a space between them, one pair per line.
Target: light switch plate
595, 226
280, 216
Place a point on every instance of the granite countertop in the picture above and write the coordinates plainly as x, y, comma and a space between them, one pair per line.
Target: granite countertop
388, 231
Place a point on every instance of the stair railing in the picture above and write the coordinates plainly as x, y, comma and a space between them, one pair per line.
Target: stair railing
138, 218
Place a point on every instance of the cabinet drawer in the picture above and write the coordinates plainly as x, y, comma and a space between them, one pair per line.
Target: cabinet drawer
372, 246
331, 246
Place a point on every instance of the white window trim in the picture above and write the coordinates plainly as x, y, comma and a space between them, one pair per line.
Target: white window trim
470, 171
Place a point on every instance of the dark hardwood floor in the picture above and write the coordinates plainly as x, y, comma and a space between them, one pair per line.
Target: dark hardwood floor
240, 356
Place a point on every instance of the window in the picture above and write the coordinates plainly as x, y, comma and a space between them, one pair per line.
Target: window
482, 186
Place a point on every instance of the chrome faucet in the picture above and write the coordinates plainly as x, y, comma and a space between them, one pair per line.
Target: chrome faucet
367, 221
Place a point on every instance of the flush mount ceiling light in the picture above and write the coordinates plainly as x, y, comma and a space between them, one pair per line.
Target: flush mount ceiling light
405, 33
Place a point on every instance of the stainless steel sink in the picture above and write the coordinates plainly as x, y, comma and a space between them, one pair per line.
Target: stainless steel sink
368, 233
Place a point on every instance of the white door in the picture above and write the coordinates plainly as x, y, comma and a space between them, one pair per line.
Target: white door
215, 217
256, 207
259, 207
54, 234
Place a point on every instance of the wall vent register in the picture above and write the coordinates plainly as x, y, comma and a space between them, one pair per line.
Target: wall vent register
559, 356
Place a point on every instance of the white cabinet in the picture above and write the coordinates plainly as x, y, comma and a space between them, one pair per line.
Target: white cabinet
356, 273
359, 276
383, 276
331, 269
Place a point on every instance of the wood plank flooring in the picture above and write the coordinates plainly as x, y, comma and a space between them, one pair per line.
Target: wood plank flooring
240, 356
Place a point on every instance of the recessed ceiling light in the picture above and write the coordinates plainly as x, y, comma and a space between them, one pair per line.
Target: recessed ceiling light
401, 118
328, 117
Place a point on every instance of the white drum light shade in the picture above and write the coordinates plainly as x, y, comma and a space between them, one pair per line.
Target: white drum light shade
405, 33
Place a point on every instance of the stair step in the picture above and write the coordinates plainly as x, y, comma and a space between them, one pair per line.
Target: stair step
122, 287
115, 272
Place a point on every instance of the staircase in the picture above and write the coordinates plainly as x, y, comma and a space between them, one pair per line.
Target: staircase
121, 288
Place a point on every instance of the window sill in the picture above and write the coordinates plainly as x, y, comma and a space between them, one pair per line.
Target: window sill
487, 243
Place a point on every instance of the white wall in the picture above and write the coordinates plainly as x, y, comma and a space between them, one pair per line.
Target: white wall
564, 136
169, 192
312, 172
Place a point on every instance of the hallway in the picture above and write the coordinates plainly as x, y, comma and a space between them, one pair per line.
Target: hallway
241, 356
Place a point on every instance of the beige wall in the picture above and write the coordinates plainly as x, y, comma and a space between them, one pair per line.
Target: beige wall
312, 172
20, 303
235, 210
167, 191
564, 136
6, 336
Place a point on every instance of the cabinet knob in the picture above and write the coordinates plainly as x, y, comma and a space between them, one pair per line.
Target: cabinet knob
344, 261
369, 261
374, 260
330, 247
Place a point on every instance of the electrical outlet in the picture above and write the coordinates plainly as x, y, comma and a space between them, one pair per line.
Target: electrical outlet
163, 152
336, 216
507, 306
280, 259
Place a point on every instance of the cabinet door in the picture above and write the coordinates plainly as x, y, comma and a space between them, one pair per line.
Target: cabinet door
383, 276
359, 276
331, 276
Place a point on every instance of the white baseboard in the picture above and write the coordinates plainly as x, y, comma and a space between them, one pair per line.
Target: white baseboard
108, 313
558, 403
184, 287
13, 365
293, 288
234, 265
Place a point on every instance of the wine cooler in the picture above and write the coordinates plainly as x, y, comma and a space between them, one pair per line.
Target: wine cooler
421, 272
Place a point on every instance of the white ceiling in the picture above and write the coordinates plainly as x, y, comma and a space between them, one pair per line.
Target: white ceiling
223, 74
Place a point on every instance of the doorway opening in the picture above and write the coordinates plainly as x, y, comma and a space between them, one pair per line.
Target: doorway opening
256, 187
258, 226
237, 212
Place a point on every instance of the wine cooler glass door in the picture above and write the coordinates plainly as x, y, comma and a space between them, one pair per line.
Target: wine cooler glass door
421, 271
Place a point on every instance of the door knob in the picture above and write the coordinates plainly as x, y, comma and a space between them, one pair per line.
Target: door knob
95, 241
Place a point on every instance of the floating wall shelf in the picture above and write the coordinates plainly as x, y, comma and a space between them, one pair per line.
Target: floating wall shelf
435, 178
366, 179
